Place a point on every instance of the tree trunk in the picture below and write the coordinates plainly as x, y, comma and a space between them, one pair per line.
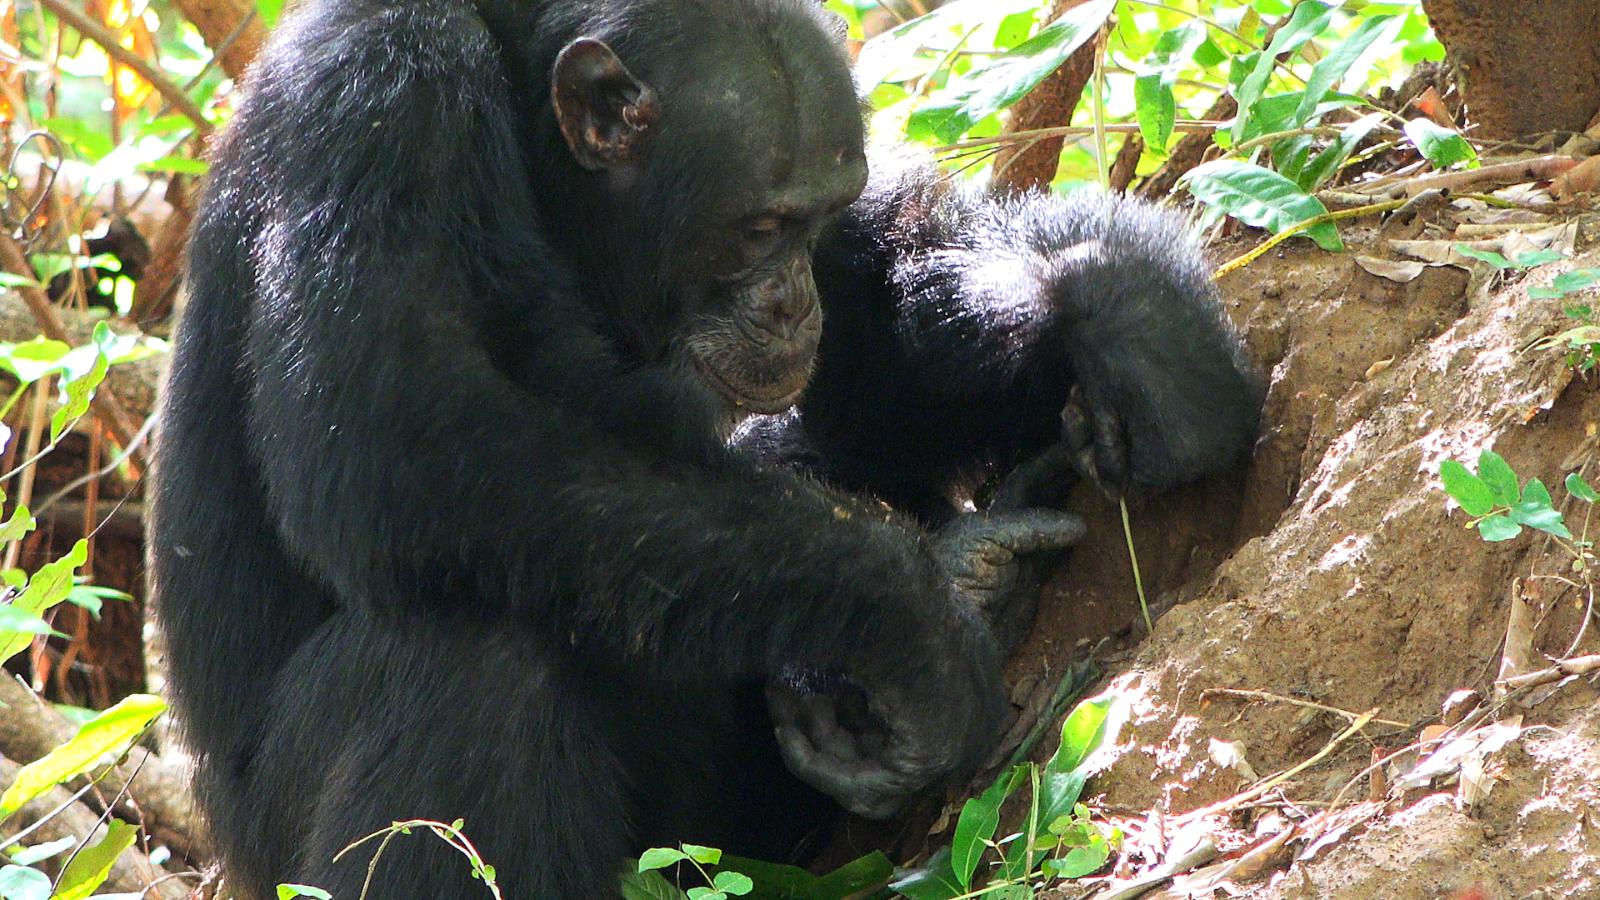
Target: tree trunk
1525, 68
1025, 166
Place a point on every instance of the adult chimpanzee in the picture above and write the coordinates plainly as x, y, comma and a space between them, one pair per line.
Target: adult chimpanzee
448, 523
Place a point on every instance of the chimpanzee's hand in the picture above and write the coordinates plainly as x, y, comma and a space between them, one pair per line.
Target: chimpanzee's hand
1098, 441
872, 741
987, 558
885, 733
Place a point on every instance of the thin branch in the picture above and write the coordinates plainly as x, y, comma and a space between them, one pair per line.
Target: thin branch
1035, 134
1294, 701
1565, 668
1267, 784
94, 31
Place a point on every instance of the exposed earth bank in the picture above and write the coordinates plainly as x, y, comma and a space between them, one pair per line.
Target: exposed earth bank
1336, 571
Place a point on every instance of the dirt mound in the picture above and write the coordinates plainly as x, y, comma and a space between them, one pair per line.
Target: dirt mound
1337, 572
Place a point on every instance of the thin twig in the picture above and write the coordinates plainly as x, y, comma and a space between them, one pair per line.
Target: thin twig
94, 31
1296, 228
1565, 668
1033, 134
1294, 701
1267, 784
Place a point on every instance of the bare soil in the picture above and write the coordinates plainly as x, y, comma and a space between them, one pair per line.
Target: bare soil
1335, 570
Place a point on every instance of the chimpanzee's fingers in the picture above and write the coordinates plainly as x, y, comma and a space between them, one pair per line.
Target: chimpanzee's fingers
1041, 481
1112, 466
1026, 531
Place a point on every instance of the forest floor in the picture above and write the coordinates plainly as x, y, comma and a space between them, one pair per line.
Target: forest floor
1335, 578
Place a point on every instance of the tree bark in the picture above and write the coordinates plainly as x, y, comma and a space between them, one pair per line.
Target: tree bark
160, 793
1031, 166
1525, 68
133, 872
217, 21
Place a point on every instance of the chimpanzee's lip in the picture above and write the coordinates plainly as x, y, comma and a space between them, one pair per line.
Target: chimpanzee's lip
755, 401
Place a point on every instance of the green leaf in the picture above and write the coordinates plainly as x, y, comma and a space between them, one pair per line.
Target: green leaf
20, 523
1154, 104
1014, 29
90, 868
705, 893
976, 825
1289, 156
1093, 724
1327, 163
19, 883
92, 596
1208, 55
176, 165
31, 360
1488, 256
20, 621
48, 586
1331, 69
855, 877
10, 280
291, 891
1081, 861
1497, 474
1309, 20
1440, 146
660, 858
646, 885
934, 881
1261, 197
1082, 733
913, 51
735, 884
776, 881
1566, 283
992, 86
105, 737
1498, 528
979, 818
27, 856
709, 856
1538, 511
1579, 488
1537, 258
1474, 495
80, 391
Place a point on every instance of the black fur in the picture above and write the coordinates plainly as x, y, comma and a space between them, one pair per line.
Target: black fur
959, 324
436, 535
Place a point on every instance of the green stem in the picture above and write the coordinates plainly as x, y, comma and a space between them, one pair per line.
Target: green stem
1133, 560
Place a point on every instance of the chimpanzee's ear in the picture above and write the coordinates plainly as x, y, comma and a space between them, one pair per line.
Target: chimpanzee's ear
604, 112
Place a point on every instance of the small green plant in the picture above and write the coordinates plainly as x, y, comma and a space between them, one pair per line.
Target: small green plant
100, 741
1058, 839
450, 833
734, 876
1500, 508
1581, 342
722, 885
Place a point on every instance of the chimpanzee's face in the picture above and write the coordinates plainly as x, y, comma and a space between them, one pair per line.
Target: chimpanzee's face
726, 176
